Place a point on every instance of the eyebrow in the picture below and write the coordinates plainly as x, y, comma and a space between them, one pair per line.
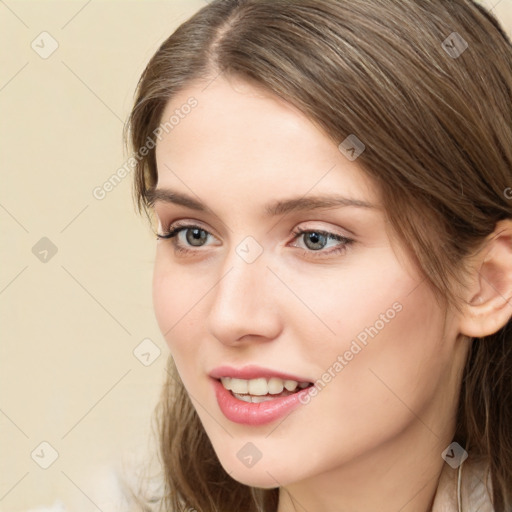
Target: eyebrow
275, 208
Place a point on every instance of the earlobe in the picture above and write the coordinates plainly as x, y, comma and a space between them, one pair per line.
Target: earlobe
489, 297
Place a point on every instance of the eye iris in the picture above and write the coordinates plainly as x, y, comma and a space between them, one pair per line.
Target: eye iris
196, 235
316, 238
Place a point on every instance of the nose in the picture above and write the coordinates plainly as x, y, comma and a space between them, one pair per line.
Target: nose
244, 305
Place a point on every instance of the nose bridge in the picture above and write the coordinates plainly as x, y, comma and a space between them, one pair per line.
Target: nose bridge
244, 274
245, 268
242, 303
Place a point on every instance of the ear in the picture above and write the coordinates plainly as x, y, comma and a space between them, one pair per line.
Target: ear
489, 296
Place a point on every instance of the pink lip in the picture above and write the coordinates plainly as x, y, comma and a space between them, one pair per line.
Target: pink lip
248, 413
252, 372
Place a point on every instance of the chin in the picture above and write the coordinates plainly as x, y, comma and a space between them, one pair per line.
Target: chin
264, 474
250, 477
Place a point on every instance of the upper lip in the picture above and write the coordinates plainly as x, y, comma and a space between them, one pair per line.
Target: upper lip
252, 371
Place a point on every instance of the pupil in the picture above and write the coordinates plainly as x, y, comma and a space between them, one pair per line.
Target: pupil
316, 238
198, 235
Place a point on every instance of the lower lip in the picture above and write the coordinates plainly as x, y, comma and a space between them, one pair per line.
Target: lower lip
261, 413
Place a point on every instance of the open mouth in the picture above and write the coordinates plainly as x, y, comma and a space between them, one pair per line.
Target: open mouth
262, 389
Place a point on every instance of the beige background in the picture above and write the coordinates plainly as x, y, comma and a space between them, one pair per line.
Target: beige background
70, 324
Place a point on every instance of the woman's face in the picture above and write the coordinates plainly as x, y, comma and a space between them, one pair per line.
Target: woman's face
249, 298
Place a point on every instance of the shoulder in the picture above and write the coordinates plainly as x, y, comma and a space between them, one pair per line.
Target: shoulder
468, 486
132, 484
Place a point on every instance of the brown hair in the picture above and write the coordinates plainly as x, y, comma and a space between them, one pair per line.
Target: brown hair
437, 125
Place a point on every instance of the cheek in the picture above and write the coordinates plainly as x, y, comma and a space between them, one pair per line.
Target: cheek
351, 299
388, 339
388, 368
166, 302
174, 298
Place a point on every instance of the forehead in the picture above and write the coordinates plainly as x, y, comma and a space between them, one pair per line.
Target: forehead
247, 142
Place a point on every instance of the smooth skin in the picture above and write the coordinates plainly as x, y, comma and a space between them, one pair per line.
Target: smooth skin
372, 438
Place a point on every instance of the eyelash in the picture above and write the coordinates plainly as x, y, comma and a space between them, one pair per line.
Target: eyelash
175, 229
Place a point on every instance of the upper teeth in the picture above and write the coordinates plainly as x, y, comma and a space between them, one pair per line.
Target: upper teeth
261, 386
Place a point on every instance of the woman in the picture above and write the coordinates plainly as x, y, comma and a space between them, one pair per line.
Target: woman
330, 182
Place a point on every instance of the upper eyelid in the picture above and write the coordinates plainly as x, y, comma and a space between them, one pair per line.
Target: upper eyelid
301, 231
190, 224
184, 225
165, 208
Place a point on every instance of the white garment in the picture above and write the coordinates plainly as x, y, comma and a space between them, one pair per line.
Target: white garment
465, 489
